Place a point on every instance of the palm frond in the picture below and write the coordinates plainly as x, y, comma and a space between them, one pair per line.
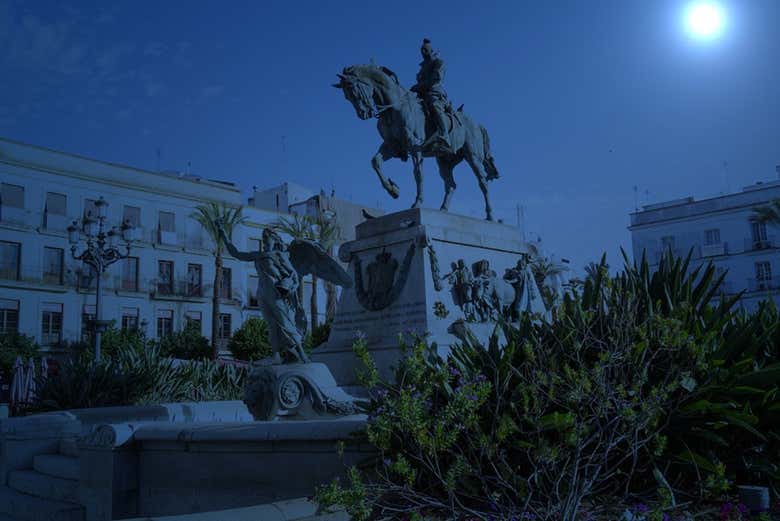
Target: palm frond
769, 213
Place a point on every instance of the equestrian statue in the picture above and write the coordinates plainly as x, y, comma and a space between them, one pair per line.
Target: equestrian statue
419, 122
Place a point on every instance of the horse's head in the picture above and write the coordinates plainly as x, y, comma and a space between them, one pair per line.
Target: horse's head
358, 90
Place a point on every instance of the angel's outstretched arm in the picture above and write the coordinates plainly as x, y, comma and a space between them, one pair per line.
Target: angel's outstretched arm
233, 251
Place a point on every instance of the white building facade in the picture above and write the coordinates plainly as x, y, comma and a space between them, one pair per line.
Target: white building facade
165, 283
721, 230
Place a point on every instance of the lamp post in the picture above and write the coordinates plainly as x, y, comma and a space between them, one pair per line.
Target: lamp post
99, 253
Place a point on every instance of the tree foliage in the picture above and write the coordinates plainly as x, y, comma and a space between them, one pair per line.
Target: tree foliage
213, 216
250, 341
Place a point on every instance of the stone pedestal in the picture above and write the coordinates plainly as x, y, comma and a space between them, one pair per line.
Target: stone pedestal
402, 266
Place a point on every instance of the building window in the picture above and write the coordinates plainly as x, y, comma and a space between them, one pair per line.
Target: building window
758, 234
224, 326
132, 216
129, 319
167, 222
53, 259
194, 320
763, 271
167, 228
225, 283
51, 324
130, 274
10, 260
87, 323
164, 323
194, 280
9, 316
165, 277
251, 289
12, 196
712, 236
55, 211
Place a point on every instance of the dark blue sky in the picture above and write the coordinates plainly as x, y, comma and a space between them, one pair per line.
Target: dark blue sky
583, 100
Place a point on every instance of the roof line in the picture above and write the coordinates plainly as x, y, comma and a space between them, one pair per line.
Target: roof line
200, 181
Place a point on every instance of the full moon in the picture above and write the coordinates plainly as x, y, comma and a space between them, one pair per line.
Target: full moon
705, 20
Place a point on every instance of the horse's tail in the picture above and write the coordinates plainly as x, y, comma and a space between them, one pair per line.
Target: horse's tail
487, 162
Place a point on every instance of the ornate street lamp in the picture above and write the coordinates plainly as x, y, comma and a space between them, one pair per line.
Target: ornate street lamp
99, 253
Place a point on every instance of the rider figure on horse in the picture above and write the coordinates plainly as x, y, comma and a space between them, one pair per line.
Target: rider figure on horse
431, 91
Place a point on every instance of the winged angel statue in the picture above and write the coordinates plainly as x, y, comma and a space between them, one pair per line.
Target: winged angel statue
280, 269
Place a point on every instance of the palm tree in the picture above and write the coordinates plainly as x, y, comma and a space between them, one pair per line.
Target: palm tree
211, 216
326, 232
769, 213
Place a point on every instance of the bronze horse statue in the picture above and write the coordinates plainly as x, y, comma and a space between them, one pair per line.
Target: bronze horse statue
375, 91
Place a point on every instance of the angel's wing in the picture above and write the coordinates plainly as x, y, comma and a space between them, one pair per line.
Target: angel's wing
309, 257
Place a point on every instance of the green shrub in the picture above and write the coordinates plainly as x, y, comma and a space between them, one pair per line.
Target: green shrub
114, 339
13, 345
187, 344
318, 336
132, 376
250, 341
641, 383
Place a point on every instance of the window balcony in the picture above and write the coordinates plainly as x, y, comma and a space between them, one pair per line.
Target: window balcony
712, 250
14, 216
765, 284
167, 238
55, 223
761, 244
181, 290
676, 252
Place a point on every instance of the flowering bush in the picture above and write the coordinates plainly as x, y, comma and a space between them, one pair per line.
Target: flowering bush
613, 398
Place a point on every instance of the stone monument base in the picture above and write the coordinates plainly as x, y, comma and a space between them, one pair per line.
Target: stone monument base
423, 272
296, 392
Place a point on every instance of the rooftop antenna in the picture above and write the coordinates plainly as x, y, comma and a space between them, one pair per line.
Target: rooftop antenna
158, 152
284, 155
636, 199
725, 165
189, 167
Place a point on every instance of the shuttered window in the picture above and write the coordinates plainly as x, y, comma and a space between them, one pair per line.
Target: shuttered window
11, 195
167, 222
132, 216
56, 204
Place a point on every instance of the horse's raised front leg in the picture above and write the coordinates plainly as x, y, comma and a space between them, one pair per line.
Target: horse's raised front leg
417, 160
479, 171
382, 155
445, 171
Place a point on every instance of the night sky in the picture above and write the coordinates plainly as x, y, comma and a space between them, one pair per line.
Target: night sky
583, 100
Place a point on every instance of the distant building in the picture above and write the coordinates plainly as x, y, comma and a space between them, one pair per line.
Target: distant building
296, 199
166, 282
280, 198
722, 230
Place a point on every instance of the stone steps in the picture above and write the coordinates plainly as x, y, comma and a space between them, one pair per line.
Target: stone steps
57, 465
23, 507
44, 486
68, 447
